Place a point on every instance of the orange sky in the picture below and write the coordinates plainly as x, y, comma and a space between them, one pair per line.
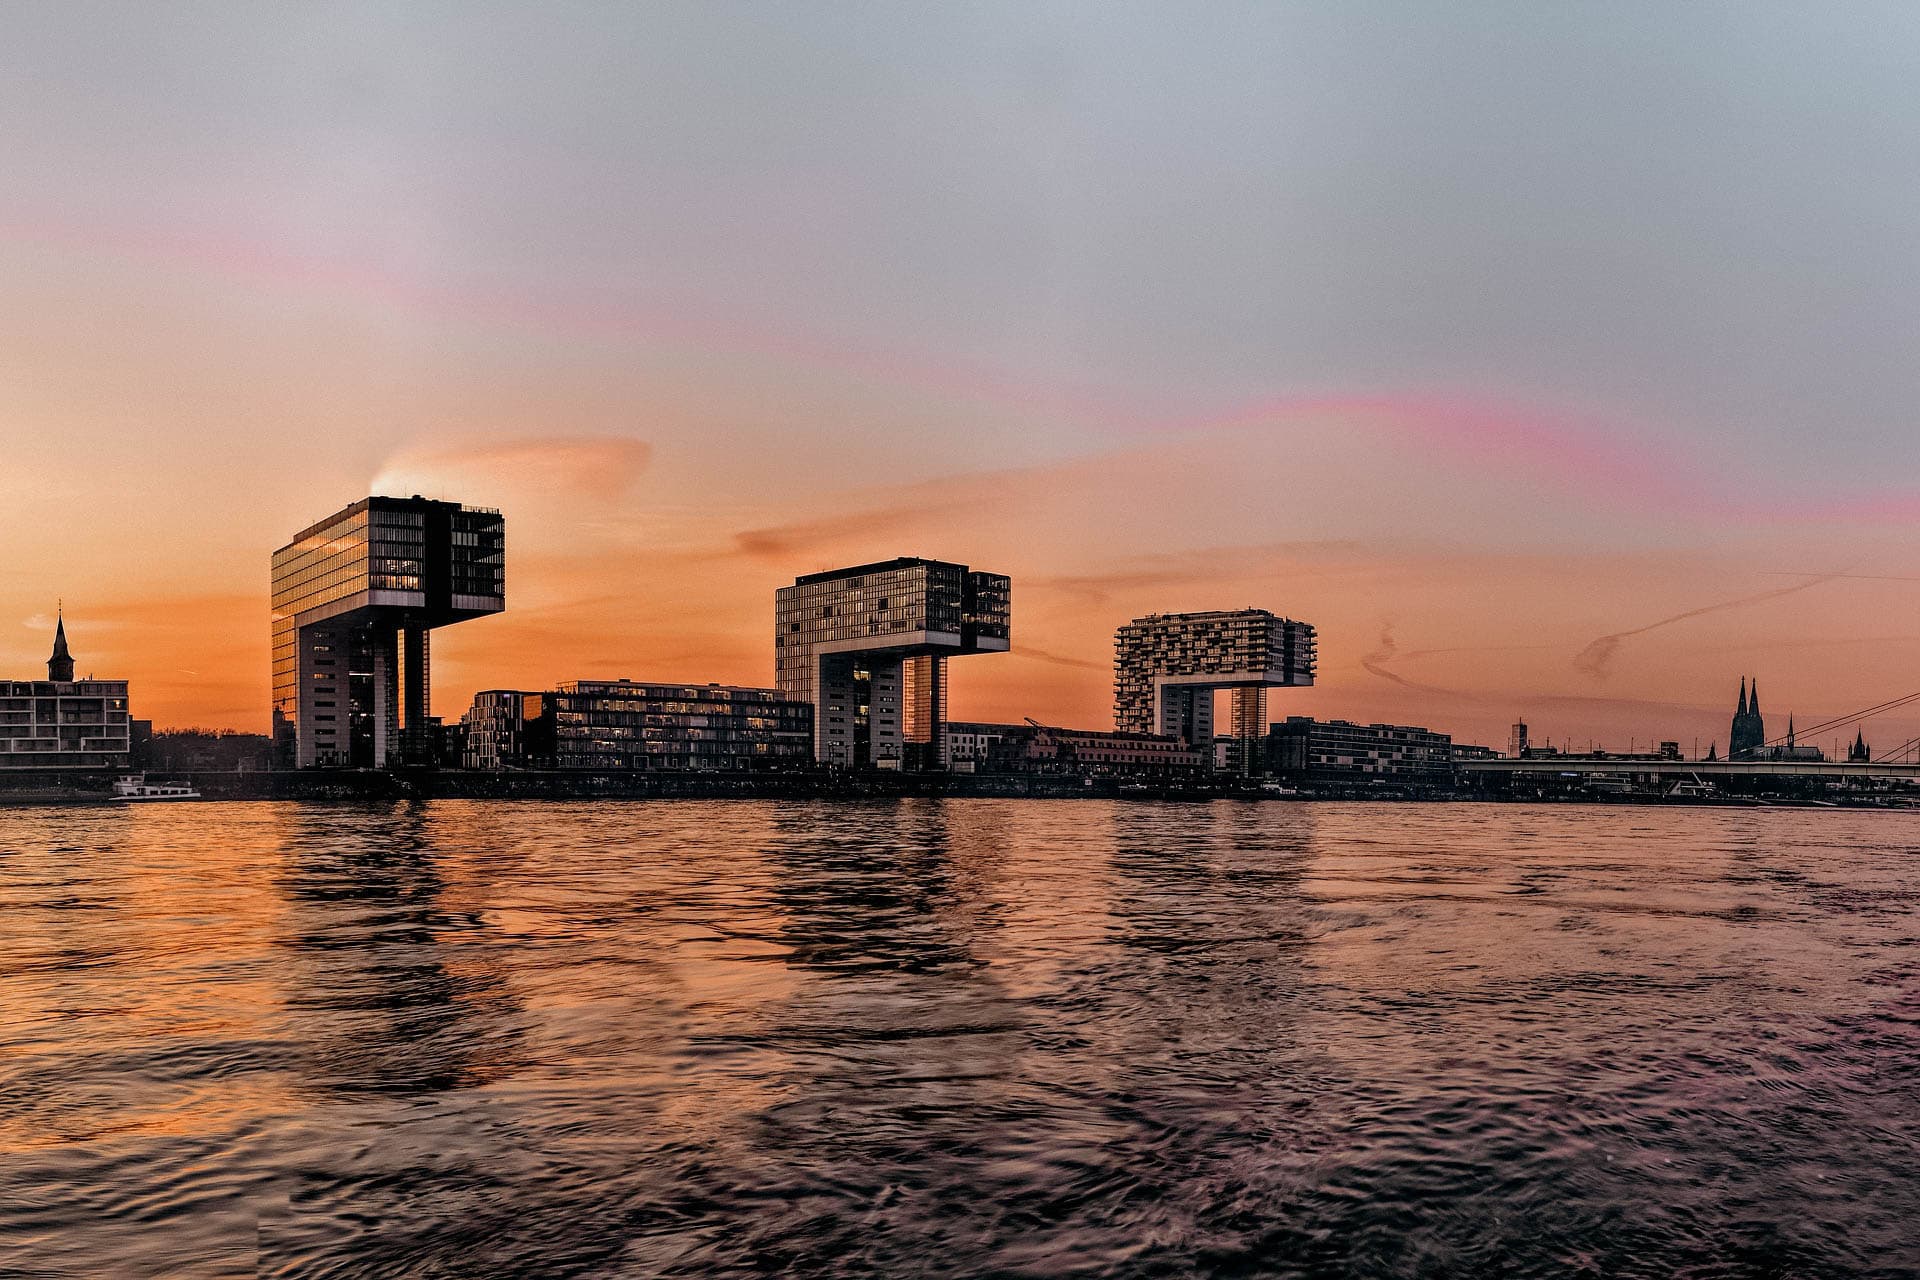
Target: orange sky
1459, 562
1529, 362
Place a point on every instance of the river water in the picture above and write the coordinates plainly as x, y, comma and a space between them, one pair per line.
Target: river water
958, 1038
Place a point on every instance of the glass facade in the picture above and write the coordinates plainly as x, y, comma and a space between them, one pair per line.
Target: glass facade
353, 598
1336, 750
867, 648
624, 724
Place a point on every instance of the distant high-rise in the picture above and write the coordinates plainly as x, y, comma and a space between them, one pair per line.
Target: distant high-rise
1518, 742
867, 647
1749, 732
353, 599
1166, 667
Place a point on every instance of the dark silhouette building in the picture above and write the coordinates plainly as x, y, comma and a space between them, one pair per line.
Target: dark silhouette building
1749, 732
1045, 749
353, 599
867, 648
1340, 751
60, 665
1859, 752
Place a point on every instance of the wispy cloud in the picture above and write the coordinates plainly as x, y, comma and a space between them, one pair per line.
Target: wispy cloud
598, 468
1597, 658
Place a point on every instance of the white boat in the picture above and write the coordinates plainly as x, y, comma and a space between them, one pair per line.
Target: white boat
134, 786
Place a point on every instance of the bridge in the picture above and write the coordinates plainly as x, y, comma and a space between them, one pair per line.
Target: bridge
1690, 770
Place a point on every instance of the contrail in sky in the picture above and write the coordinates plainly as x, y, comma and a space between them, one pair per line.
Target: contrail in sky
1375, 662
1597, 657
1864, 577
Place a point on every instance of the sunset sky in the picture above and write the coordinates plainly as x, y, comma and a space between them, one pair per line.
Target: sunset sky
1491, 339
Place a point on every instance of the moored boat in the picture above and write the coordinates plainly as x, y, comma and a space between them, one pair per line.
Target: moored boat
134, 786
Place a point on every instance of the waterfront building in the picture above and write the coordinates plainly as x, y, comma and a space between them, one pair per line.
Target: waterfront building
1045, 749
61, 722
1167, 666
1859, 752
616, 725
354, 597
507, 729
1518, 744
867, 648
1469, 751
970, 743
1788, 750
1338, 750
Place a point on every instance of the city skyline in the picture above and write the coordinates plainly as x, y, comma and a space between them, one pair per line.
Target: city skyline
407, 687
1541, 400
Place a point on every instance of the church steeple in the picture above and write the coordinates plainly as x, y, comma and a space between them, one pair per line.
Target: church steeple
1753, 704
60, 665
1743, 697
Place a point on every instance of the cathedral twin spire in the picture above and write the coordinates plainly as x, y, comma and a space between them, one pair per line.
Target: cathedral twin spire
1749, 732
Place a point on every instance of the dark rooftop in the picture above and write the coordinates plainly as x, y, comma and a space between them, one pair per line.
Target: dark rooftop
878, 566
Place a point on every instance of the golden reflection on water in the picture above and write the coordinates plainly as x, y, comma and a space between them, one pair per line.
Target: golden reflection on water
928, 1036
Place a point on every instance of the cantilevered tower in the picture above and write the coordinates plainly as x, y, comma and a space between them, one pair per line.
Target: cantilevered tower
1166, 667
868, 647
353, 599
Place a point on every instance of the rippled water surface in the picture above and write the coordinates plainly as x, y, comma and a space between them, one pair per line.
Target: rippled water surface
965, 1037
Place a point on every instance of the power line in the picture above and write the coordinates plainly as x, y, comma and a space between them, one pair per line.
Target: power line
1886, 757
1851, 717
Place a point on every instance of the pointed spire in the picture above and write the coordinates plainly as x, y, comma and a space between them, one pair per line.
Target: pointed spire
1753, 704
1789, 728
1743, 697
60, 665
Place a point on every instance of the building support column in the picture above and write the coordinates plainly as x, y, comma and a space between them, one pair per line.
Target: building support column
1249, 728
416, 703
924, 705
885, 734
834, 710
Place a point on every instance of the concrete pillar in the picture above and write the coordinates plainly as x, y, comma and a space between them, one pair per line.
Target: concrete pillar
1186, 711
885, 714
834, 709
386, 690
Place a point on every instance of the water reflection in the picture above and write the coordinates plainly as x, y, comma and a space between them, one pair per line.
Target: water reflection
393, 992
954, 1038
